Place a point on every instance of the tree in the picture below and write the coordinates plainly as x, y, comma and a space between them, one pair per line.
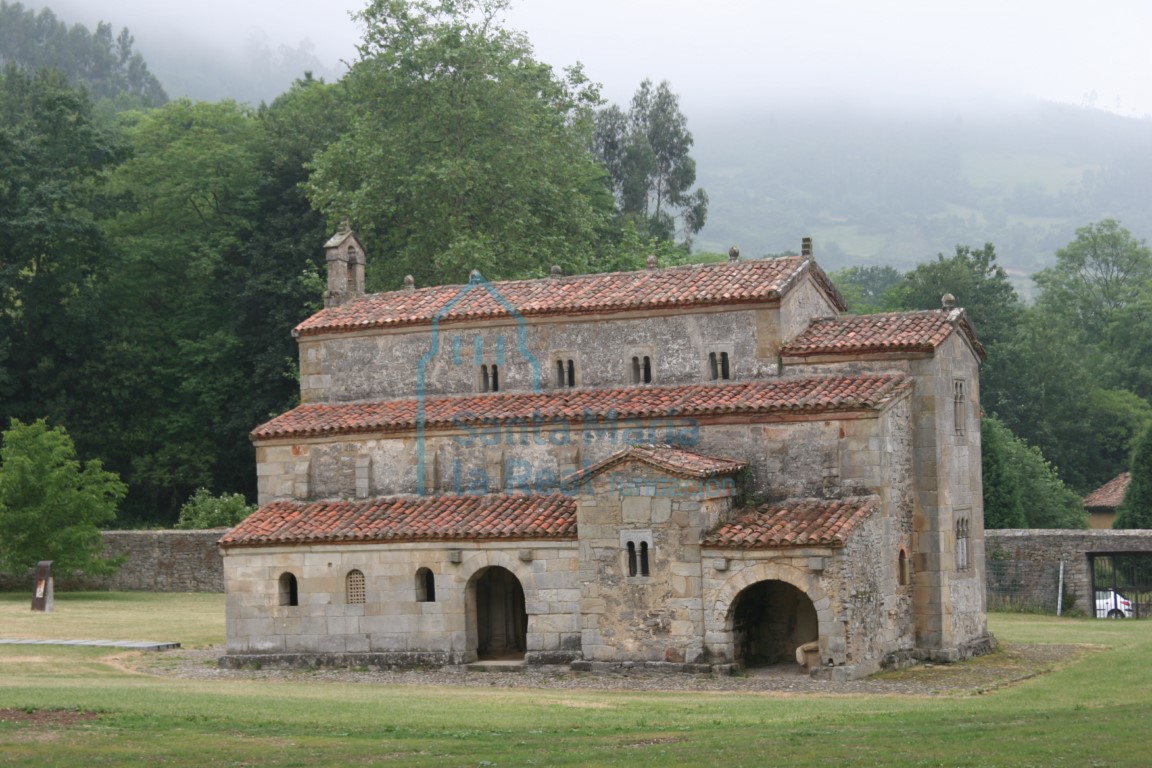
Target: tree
51, 505
1102, 272
1136, 509
645, 152
866, 288
463, 152
1021, 488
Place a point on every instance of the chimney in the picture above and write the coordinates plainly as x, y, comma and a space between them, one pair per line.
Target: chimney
409, 284
733, 254
557, 271
345, 256
806, 247
947, 302
653, 262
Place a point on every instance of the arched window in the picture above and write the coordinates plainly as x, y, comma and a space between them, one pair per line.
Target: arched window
289, 594
713, 366
959, 406
425, 586
902, 569
485, 382
354, 587
647, 370
724, 371
631, 558
635, 370
644, 558
495, 378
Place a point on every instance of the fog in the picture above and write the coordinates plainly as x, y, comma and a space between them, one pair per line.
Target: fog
723, 54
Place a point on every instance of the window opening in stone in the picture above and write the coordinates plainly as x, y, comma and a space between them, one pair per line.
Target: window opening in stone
647, 369
495, 378
713, 368
959, 411
644, 558
571, 373
289, 593
485, 384
354, 587
635, 370
425, 586
902, 569
631, 559
559, 373
962, 544
724, 373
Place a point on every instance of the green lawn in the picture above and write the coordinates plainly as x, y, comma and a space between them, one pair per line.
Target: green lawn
1092, 712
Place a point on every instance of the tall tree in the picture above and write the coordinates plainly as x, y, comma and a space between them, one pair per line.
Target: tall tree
105, 65
866, 288
645, 152
53, 253
463, 152
1136, 509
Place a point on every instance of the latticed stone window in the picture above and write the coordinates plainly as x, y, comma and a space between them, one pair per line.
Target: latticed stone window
354, 587
962, 544
959, 406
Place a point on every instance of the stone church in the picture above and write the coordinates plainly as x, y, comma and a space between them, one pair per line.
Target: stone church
698, 467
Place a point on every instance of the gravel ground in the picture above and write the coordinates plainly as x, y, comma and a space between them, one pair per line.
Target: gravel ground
1011, 664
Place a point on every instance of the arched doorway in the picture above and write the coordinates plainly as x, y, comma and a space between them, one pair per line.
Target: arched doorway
501, 620
770, 620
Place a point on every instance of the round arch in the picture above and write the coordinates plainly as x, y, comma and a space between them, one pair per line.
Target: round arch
496, 616
720, 620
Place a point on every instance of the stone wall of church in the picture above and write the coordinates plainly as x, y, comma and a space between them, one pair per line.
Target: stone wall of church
385, 364
396, 623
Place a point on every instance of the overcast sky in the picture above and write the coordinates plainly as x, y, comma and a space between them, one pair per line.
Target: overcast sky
734, 52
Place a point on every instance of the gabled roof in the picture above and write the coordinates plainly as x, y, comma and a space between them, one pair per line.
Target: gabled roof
1109, 495
408, 518
674, 461
694, 285
888, 332
794, 523
786, 396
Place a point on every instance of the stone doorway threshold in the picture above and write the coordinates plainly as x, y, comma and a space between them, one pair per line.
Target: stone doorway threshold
775, 671
512, 662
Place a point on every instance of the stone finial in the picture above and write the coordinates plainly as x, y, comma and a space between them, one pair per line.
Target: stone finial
475, 277
409, 284
733, 254
556, 271
806, 247
653, 262
947, 301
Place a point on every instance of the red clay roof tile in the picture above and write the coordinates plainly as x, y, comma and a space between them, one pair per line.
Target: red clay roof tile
694, 285
888, 332
765, 396
408, 518
1109, 495
794, 523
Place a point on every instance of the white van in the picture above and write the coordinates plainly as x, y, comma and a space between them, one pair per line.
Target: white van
1112, 605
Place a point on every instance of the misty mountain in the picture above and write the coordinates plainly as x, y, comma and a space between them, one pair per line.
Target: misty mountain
898, 188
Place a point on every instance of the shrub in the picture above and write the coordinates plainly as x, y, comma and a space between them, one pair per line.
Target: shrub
203, 510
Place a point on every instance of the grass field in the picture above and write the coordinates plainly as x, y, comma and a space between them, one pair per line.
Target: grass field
1091, 712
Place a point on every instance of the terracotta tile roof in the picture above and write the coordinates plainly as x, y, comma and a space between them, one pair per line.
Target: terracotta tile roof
1109, 495
674, 461
794, 523
694, 285
408, 518
765, 396
888, 332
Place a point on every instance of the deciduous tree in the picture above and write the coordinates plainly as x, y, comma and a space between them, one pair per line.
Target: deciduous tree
51, 505
1136, 509
464, 152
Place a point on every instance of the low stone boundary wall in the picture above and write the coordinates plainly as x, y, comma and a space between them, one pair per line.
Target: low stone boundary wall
1072, 547
155, 561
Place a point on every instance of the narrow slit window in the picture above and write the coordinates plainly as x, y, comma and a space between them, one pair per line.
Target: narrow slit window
635, 370
425, 586
495, 378
644, 558
902, 569
962, 544
713, 367
647, 369
724, 372
289, 592
485, 384
571, 373
959, 406
560, 373
631, 558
